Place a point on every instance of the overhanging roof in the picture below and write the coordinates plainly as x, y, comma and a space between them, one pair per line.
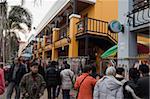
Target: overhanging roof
55, 9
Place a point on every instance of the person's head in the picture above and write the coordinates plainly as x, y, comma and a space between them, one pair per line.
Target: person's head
111, 71
15, 60
34, 67
53, 64
87, 69
67, 66
65, 62
144, 69
120, 71
133, 74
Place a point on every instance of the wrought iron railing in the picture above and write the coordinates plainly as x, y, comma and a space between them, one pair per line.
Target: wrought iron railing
91, 25
140, 15
63, 31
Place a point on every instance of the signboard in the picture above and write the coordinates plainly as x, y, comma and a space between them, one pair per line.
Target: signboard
115, 26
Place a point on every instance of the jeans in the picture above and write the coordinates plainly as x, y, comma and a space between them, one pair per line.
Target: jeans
10, 88
66, 93
49, 88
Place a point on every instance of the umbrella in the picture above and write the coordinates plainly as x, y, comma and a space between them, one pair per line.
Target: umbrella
110, 52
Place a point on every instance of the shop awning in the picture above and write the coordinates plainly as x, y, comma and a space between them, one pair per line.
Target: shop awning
142, 49
110, 52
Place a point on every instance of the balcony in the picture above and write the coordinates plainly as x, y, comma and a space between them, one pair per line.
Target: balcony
63, 32
140, 15
94, 27
48, 40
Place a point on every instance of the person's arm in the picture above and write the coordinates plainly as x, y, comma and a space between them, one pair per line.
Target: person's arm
76, 85
96, 91
2, 82
23, 85
42, 87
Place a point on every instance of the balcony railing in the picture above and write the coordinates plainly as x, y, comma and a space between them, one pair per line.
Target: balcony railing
140, 15
63, 31
49, 39
90, 25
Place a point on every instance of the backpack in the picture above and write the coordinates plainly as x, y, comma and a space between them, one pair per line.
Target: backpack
52, 77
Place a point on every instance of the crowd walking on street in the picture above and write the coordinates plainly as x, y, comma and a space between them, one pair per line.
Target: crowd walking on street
29, 81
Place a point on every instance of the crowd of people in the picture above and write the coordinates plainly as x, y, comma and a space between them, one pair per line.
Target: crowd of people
30, 79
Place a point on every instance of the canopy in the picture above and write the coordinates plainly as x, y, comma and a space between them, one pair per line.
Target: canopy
110, 52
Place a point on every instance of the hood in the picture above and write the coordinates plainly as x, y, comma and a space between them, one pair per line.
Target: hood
112, 83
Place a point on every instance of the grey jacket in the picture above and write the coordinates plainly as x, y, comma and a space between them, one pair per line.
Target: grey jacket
65, 78
108, 88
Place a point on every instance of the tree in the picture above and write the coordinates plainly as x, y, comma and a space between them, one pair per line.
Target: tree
11, 22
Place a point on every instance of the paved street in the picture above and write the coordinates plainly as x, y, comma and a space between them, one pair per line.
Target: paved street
43, 97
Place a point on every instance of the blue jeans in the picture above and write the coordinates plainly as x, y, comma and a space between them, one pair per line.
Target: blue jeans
66, 93
10, 88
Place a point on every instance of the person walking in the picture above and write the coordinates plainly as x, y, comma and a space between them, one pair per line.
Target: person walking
17, 71
52, 79
130, 87
66, 81
143, 82
2, 81
109, 87
85, 84
32, 84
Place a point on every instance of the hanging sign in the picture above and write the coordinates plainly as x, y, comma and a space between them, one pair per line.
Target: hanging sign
115, 26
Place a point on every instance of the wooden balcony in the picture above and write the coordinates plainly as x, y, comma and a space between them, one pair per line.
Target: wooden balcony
95, 27
48, 40
63, 32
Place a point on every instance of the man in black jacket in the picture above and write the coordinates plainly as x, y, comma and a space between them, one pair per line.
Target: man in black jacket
52, 79
16, 72
143, 82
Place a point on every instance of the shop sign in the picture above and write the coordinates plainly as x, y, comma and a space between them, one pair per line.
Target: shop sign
115, 26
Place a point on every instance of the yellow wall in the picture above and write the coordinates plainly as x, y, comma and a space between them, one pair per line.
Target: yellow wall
105, 10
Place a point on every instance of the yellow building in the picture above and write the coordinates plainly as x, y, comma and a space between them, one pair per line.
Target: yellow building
74, 28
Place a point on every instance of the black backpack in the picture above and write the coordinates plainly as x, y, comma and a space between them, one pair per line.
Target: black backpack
52, 76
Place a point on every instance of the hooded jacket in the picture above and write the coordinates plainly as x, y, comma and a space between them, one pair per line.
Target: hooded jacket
2, 82
108, 88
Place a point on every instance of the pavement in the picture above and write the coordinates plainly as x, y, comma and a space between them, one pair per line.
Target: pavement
43, 97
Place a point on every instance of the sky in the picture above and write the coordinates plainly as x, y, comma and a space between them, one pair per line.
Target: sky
38, 11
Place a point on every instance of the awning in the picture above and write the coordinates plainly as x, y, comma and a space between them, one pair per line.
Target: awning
110, 52
142, 49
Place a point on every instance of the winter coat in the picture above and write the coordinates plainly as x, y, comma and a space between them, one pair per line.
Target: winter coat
86, 87
143, 87
66, 82
2, 82
19, 74
108, 88
129, 89
52, 76
33, 85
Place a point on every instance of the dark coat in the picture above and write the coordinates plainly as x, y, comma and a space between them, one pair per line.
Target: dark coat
143, 87
133, 85
52, 76
19, 74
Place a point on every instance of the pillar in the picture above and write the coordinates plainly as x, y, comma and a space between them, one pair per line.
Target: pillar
43, 47
73, 46
55, 38
127, 40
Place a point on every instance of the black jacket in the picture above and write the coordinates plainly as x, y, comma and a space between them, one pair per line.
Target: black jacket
133, 85
52, 76
19, 74
143, 87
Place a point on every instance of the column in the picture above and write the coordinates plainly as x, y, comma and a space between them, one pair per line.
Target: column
127, 41
55, 38
73, 46
43, 47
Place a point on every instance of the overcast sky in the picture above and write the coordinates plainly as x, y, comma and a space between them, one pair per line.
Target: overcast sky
38, 10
